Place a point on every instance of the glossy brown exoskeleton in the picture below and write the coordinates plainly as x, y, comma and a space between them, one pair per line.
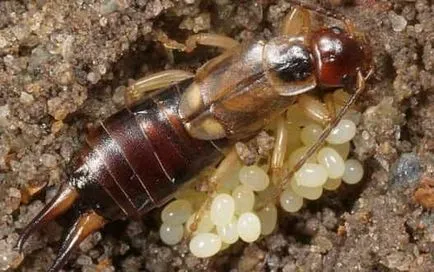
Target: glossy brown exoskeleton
137, 158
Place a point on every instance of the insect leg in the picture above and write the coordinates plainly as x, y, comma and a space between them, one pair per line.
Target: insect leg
297, 22
206, 127
210, 39
279, 151
191, 43
228, 164
326, 12
87, 223
340, 97
330, 105
64, 199
360, 87
314, 108
153, 82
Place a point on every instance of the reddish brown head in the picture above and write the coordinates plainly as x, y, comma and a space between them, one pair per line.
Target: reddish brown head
338, 55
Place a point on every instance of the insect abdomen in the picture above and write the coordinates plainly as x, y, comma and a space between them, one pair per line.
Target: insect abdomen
145, 154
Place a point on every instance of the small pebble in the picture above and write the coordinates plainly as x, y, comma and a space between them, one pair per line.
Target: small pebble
26, 98
353, 172
84, 260
398, 22
48, 160
93, 77
204, 245
119, 96
9, 259
248, 154
249, 227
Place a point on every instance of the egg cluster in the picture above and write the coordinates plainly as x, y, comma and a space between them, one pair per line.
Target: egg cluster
241, 206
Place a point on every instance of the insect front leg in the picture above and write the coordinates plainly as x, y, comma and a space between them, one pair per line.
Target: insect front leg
154, 82
297, 22
210, 39
213, 40
314, 109
321, 112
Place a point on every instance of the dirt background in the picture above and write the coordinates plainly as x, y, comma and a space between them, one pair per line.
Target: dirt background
61, 65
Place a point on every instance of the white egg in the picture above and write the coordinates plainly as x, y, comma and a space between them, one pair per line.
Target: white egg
290, 202
353, 172
222, 209
204, 245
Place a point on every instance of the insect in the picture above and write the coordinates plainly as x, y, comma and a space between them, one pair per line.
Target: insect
137, 158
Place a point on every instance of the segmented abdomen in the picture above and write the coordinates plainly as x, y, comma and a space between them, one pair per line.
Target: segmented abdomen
140, 156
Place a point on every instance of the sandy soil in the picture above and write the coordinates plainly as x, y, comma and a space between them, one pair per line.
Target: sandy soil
61, 65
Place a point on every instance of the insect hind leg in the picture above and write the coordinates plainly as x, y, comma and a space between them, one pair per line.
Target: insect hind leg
229, 163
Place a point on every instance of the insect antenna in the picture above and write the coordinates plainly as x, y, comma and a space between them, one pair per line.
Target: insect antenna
86, 224
360, 87
326, 12
63, 201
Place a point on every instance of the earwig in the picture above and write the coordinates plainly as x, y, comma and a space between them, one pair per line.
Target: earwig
136, 159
